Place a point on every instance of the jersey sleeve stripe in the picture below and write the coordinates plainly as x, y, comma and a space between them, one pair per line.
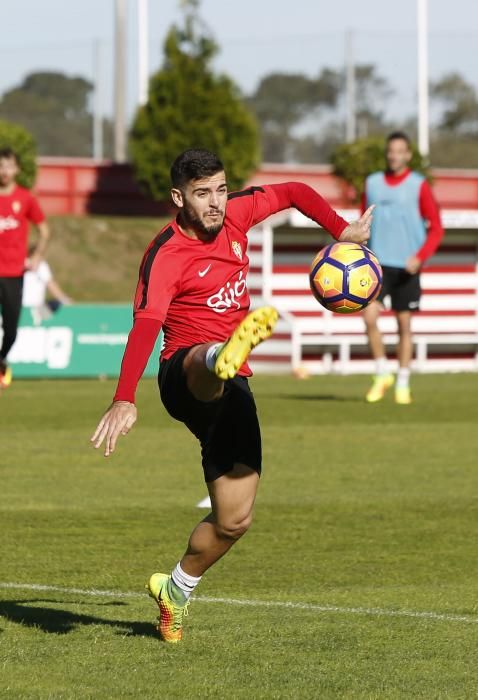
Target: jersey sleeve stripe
149, 260
245, 193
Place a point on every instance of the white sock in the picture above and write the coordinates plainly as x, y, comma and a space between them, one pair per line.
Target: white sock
184, 581
381, 366
403, 377
211, 354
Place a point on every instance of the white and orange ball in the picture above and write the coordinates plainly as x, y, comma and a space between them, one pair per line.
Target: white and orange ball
345, 277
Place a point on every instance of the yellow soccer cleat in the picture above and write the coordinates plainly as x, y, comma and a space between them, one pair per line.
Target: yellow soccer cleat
5, 377
170, 618
403, 395
381, 383
256, 327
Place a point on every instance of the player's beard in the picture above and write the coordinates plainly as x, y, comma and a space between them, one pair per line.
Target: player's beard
192, 220
5, 180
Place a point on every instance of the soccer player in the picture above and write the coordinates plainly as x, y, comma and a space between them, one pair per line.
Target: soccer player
36, 285
18, 207
406, 231
192, 282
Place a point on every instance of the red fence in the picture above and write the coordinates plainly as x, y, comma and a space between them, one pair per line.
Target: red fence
85, 186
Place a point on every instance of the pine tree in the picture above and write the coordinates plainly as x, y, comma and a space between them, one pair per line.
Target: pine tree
190, 106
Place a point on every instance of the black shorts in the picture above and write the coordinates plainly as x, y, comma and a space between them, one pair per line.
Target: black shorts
402, 287
227, 429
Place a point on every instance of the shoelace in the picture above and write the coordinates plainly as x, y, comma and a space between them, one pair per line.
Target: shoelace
177, 623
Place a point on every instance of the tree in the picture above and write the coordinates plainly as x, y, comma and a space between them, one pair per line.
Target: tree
190, 106
23, 144
294, 111
354, 161
318, 148
372, 91
284, 102
460, 102
54, 107
453, 141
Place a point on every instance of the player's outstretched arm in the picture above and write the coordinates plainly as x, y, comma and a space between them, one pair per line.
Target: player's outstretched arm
121, 415
118, 420
359, 231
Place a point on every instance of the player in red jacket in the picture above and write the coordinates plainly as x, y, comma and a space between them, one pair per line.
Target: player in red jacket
18, 207
192, 283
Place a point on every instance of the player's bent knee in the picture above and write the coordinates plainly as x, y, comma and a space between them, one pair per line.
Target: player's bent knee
205, 393
203, 384
233, 529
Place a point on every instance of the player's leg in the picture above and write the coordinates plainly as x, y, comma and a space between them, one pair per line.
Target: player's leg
382, 379
405, 354
371, 314
11, 302
229, 434
232, 498
207, 366
202, 381
405, 345
405, 301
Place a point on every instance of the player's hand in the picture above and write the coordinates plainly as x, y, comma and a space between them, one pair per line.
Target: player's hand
32, 262
358, 231
118, 420
413, 265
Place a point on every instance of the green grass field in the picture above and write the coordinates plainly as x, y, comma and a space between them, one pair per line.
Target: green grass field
366, 521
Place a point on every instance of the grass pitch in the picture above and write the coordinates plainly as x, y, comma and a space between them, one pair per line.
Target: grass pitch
367, 515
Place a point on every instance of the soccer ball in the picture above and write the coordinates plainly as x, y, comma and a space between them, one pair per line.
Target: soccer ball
345, 277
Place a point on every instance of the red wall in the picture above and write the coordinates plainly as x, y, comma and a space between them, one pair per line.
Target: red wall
84, 186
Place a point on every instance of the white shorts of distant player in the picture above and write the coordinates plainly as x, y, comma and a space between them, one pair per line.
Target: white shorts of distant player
35, 283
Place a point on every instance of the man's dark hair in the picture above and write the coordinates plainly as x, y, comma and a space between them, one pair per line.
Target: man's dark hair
8, 152
194, 164
399, 135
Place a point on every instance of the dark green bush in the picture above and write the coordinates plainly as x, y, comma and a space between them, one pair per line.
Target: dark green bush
355, 161
21, 141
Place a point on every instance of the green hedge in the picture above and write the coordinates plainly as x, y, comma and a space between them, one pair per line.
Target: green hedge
22, 142
355, 161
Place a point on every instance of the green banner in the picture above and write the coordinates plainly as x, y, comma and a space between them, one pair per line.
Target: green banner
82, 340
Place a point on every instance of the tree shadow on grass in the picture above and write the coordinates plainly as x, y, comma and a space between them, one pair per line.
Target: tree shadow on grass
59, 621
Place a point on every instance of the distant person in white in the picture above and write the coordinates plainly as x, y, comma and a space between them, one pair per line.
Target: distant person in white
36, 285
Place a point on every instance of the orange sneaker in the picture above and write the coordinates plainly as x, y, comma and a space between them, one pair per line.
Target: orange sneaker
170, 618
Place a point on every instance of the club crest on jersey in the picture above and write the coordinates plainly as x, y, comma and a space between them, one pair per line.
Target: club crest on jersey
16, 206
236, 249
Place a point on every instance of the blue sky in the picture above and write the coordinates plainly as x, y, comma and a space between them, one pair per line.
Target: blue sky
256, 37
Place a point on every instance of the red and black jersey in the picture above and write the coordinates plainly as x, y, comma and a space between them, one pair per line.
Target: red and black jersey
17, 209
197, 290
